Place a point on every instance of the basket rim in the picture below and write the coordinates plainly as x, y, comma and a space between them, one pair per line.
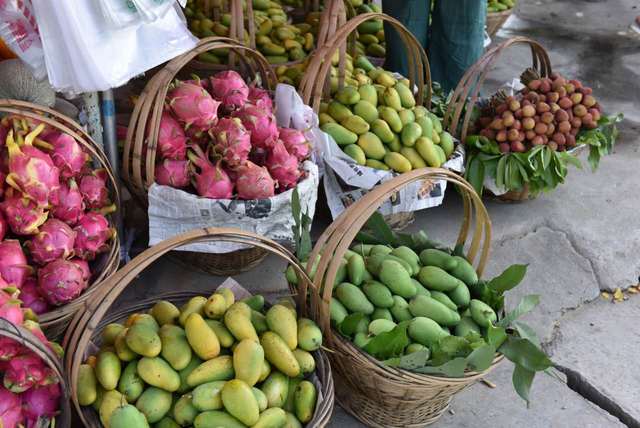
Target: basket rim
500, 14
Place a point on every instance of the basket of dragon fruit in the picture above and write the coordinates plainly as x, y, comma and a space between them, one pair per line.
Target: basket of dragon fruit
57, 194
33, 392
210, 152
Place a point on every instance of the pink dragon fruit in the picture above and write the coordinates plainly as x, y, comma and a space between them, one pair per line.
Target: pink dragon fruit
70, 206
283, 166
13, 263
61, 281
31, 297
84, 266
23, 215
233, 141
254, 182
260, 98
212, 181
67, 155
10, 409
196, 80
92, 235
23, 372
9, 348
54, 241
295, 142
230, 88
174, 173
10, 308
193, 105
94, 190
31, 171
3, 226
261, 123
41, 404
172, 142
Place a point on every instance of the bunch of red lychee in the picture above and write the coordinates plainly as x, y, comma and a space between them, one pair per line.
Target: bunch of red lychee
550, 110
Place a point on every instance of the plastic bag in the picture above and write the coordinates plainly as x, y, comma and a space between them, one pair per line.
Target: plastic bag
85, 54
19, 30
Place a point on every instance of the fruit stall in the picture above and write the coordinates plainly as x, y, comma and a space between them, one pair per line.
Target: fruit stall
220, 154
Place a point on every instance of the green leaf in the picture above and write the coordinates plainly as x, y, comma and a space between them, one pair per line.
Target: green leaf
526, 304
500, 171
411, 361
380, 229
350, 323
367, 238
524, 353
496, 336
526, 332
507, 280
295, 206
481, 358
453, 368
522, 379
475, 174
389, 344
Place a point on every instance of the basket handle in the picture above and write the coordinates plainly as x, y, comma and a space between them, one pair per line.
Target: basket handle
467, 92
151, 103
333, 243
85, 322
313, 86
28, 339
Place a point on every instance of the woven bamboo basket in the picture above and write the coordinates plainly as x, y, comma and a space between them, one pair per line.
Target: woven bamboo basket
467, 94
55, 321
315, 85
84, 333
495, 21
139, 156
27, 339
378, 395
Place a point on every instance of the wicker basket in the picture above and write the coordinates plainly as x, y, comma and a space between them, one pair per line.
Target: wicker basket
27, 339
315, 84
378, 395
138, 165
467, 94
85, 328
55, 321
495, 21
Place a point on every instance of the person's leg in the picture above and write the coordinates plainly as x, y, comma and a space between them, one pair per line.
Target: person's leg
456, 39
413, 14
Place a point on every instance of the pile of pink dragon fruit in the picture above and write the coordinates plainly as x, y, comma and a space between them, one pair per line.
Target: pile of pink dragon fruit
52, 214
30, 390
219, 138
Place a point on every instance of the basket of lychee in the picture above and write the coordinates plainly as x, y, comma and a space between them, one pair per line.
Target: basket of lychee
216, 138
57, 194
33, 392
522, 143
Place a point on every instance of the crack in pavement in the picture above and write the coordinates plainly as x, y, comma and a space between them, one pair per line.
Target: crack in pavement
580, 385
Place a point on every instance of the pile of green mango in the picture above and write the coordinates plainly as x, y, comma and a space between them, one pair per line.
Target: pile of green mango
370, 33
213, 362
375, 119
430, 290
499, 5
279, 41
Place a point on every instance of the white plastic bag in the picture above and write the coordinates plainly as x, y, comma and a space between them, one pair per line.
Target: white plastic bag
19, 30
84, 53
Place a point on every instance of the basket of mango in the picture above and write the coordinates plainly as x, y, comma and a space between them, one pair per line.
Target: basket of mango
227, 359
411, 321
